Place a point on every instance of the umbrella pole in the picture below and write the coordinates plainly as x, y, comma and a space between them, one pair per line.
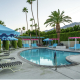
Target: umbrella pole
55, 61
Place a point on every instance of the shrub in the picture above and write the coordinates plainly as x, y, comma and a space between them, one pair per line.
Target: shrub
0, 44
14, 44
4, 42
19, 43
7, 45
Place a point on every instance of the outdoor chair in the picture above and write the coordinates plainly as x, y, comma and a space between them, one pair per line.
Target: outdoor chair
7, 53
54, 45
26, 45
34, 45
6, 60
77, 46
4, 56
10, 65
11, 58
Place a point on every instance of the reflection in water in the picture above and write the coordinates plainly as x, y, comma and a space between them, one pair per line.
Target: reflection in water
44, 56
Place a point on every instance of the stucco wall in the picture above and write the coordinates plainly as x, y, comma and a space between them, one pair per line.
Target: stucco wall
71, 43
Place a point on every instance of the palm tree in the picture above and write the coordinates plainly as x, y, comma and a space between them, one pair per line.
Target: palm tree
31, 27
16, 29
35, 25
26, 11
23, 28
35, 28
2, 23
19, 29
56, 18
31, 19
30, 2
38, 22
51, 24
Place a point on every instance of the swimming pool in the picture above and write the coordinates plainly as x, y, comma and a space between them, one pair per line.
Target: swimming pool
44, 56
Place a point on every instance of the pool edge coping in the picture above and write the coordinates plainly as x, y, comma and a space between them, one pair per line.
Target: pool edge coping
67, 58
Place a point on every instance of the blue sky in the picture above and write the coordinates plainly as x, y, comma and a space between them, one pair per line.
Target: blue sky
11, 11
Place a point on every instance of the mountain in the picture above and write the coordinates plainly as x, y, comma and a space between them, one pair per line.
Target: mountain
66, 26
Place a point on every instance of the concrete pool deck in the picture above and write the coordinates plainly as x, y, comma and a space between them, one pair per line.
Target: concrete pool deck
29, 71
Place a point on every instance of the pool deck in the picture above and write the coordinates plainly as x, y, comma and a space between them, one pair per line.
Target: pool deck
29, 71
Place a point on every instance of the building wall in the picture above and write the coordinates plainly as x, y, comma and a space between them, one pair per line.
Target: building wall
71, 43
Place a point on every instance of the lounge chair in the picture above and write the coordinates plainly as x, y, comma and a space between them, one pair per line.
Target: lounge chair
77, 46
6, 60
7, 53
26, 45
4, 56
12, 58
10, 65
54, 45
34, 45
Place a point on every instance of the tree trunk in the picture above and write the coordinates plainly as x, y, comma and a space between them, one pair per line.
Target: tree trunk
32, 25
33, 18
54, 27
58, 32
38, 22
27, 23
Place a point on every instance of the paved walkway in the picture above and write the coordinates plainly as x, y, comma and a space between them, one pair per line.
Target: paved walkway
29, 71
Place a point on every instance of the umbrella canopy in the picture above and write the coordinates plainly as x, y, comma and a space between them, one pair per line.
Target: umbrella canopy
8, 38
47, 39
5, 32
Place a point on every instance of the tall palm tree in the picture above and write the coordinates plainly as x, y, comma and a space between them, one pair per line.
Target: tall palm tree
51, 24
31, 19
26, 11
38, 22
23, 28
31, 27
56, 18
2, 23
35, 28
19, 29
16, 29
30, 2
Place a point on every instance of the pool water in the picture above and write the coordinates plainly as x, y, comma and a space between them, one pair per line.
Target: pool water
43, 56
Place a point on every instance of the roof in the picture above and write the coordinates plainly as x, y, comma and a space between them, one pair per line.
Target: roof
74, 37
54, 38
28, 37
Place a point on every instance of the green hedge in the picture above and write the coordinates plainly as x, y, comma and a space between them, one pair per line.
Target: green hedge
19, 43
64, 36
4, 42
7, 45
14, 44
0, 44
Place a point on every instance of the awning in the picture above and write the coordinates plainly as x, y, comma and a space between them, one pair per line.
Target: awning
25, 39
34, 39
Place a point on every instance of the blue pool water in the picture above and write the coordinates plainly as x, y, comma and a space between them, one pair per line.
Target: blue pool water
43, 56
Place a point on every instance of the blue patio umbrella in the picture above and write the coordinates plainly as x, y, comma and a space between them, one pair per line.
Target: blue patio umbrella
12, 38
8, 38
48, 40
6, 32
